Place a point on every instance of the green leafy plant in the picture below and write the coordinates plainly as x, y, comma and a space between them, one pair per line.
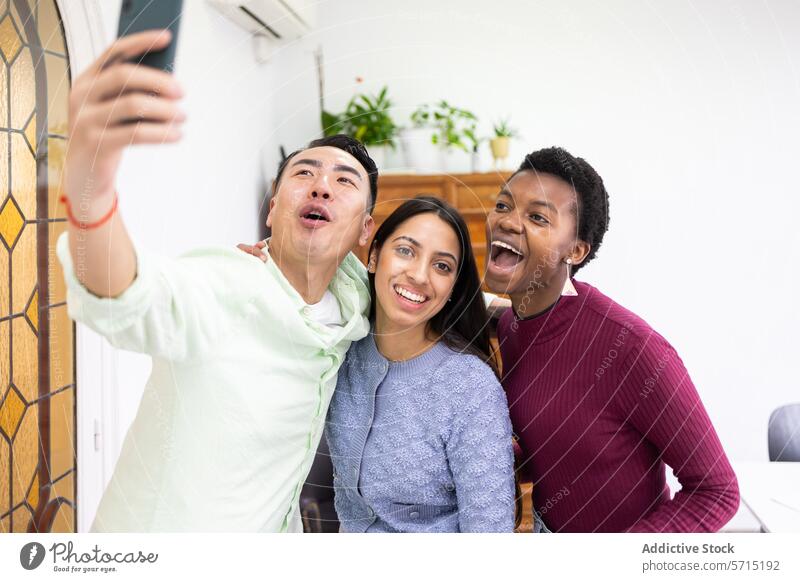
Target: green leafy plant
503, 129
366, 118
455, 127
332, 123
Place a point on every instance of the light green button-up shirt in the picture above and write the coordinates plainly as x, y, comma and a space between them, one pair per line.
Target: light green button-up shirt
234, 408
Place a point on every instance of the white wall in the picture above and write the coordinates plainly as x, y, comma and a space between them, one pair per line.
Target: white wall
689, 110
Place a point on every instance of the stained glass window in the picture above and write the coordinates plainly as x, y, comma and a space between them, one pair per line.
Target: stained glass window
37, 363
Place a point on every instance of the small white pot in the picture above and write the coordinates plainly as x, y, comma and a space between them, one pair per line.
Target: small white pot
378, 153
455, 161
421, 154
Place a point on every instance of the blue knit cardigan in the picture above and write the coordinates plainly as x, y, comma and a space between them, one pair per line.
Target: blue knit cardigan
422, 445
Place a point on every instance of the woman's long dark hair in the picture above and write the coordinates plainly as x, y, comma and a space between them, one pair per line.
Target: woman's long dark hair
462, 323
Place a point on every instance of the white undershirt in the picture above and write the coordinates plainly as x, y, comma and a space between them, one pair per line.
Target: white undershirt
326, 312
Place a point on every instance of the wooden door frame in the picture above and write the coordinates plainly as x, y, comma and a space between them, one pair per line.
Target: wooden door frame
95, 360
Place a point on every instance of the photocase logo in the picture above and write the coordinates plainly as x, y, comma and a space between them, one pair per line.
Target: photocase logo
31, 555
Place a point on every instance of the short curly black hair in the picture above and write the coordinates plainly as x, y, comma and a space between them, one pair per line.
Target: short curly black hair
592, 215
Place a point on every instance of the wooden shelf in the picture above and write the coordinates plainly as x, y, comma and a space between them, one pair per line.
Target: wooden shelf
472, 194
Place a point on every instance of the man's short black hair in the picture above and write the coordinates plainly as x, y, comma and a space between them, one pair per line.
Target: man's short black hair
592, 210
345, 143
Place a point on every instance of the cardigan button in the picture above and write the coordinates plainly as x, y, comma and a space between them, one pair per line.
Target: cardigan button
370, 512
449, 487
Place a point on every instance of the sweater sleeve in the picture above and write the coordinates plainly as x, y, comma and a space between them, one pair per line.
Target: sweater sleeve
171, 310
481, 458
665, 408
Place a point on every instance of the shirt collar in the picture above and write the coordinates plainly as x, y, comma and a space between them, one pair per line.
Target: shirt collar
349, 286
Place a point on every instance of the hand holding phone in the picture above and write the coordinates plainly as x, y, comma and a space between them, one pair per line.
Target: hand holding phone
141, 15
114, 104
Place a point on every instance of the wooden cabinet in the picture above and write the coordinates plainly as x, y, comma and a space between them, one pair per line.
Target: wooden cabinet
526, 523
472, 194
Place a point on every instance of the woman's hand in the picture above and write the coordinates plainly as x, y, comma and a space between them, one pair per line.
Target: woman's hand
257, 250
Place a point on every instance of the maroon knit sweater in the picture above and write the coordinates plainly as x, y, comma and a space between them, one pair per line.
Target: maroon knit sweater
600, 402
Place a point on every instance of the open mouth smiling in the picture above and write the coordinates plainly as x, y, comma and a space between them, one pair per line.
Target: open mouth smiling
409, 295
504, 255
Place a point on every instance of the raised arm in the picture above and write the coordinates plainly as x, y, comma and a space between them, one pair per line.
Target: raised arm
112, 105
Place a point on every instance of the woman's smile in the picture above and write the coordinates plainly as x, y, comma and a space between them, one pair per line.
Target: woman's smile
409, 298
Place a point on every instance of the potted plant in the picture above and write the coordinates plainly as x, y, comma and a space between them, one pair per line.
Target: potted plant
419, 142
503, 133
367, 118
449, 129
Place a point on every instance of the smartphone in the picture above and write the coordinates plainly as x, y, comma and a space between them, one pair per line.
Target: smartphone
139, 15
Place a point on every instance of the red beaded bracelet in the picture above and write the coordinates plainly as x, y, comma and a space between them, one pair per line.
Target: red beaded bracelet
88, 225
